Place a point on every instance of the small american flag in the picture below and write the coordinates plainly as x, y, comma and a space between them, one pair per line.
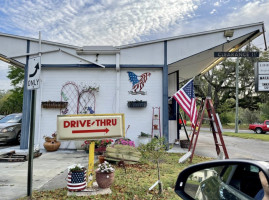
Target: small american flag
76, 181
186, 99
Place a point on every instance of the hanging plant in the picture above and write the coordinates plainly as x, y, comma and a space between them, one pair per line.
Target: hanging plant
54, 104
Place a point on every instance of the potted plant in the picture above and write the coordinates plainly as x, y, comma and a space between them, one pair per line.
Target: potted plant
76, 180
51, 143
144, 138
101, 149
104, 175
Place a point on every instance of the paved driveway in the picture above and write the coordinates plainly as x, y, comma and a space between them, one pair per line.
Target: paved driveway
236, 147
13, 176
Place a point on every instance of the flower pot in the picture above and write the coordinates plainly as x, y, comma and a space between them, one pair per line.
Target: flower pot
101, 159
144, 140
104, 180
184, 143
76, 181
52, 145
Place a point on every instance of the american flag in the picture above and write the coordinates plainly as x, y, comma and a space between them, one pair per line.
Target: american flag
186, 99
76, 181
138, 84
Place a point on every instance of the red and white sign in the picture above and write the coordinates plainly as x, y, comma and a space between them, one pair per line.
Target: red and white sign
93, 127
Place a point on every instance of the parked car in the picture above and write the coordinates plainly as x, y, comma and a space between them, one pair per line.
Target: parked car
260, 128
224, 179
10, 128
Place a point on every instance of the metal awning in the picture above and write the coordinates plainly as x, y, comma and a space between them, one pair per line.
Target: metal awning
205, 60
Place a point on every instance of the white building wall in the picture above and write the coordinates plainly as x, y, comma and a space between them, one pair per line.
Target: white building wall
151, 54
139, 119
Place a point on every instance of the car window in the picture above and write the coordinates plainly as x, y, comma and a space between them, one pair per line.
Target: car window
13, 118
267, 122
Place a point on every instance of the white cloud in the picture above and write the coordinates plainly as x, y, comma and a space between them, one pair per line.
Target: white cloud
85, 22
216, 4
252, 12
213, 11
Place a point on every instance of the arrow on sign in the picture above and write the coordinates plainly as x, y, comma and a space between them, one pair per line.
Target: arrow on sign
36, 68
91, 131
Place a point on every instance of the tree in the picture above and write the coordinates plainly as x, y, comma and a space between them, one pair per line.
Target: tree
155, 152
12, 100
219, 83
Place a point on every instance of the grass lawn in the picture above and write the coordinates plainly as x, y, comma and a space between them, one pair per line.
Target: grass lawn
262, 137
134, 184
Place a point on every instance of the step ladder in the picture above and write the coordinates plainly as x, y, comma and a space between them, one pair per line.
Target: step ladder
215, 125
156, 122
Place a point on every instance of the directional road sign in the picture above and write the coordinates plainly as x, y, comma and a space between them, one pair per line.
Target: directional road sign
33, 77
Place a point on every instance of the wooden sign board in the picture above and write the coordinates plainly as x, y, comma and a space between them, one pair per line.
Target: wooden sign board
91, 127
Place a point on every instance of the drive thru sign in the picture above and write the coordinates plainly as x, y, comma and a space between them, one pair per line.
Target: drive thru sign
91, 127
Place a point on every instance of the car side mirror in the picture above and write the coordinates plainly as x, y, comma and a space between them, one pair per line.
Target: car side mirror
224, 179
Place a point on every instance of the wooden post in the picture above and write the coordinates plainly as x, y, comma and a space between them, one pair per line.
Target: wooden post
90, 171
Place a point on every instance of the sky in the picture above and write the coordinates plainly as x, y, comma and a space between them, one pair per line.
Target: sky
119, 22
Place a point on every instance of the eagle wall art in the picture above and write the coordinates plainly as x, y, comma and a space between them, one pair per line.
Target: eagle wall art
138, 82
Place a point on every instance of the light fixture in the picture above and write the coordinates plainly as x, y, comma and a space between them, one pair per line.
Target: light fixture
228, 34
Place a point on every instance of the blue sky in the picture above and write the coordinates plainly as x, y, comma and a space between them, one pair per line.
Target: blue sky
118, 22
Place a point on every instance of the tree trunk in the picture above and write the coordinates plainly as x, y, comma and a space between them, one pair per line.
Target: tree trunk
159, 179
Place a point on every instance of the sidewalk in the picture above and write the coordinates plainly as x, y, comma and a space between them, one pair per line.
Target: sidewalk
49, 171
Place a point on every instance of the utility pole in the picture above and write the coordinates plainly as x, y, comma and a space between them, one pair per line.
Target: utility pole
236, 94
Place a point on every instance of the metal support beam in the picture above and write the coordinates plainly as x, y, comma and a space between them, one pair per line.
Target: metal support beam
236, 94
26, 106
165, 96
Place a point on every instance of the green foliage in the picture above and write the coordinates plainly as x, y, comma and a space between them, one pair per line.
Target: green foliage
16, 75
263, 137
227, 117
12, 101
154, 150
264, 109
248, 117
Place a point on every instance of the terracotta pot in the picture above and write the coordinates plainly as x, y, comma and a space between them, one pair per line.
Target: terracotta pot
52, 145
101, 159
104, 180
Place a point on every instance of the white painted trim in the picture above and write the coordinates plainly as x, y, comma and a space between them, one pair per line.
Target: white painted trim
81, 58
37, 40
